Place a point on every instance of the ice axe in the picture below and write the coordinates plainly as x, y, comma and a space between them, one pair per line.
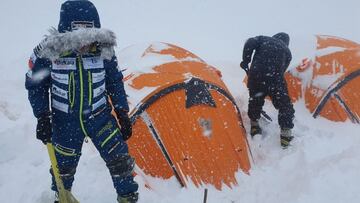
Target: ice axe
263, 113
65, 196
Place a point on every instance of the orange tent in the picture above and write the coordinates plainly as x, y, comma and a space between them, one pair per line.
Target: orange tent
185, 122
329, 81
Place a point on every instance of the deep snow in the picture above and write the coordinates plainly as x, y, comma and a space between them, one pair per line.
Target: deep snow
322, 166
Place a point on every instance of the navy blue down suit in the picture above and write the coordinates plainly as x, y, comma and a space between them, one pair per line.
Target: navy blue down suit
266, 76
80, 86
74, 88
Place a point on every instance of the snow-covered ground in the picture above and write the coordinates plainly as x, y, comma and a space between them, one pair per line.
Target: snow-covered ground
322, 166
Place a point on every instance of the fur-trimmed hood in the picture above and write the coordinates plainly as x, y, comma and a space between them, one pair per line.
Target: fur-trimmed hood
57, 43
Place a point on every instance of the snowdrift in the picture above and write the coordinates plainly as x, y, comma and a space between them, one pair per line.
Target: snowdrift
329, 81
185, 121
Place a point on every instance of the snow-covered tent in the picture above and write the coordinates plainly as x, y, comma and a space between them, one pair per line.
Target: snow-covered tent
185, 121
329, 81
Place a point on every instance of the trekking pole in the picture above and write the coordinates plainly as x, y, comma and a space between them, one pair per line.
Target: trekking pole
65, 196
205, 195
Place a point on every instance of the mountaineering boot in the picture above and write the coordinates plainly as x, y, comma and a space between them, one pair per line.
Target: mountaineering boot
128, 198
255, 128
285, 137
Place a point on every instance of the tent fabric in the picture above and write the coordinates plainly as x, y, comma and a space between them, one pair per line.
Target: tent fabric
329, 81
186, 124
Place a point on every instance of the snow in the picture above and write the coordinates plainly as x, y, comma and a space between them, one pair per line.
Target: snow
322, 166
328, 50
325, 81
142, 58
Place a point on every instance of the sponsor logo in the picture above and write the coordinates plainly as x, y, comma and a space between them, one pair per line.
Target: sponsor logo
64, 64
61, 78
94, 60
81, 24
98, 91
101, 102
98, 77
59, 92
93, 63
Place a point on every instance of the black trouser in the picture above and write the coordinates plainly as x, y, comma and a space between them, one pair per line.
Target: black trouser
275, 87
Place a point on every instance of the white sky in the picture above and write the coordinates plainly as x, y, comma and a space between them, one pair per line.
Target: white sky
214, 29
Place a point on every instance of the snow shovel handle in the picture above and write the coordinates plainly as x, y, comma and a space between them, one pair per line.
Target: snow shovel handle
265, 115
54, 166
65, 196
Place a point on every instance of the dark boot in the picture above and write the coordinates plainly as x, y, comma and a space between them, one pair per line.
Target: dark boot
128, 198
255, 128
285, 137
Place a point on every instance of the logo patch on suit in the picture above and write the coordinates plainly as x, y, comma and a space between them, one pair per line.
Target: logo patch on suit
81, 24
98, 91
98, 77
93, 63
61, 78
99, 103
59, 92
64, 64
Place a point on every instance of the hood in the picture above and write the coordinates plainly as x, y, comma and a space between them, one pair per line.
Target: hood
57, 43
283, 37
76, 14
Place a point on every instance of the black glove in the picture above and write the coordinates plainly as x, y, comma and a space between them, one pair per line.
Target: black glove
245, 66
44, 128
125, 123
